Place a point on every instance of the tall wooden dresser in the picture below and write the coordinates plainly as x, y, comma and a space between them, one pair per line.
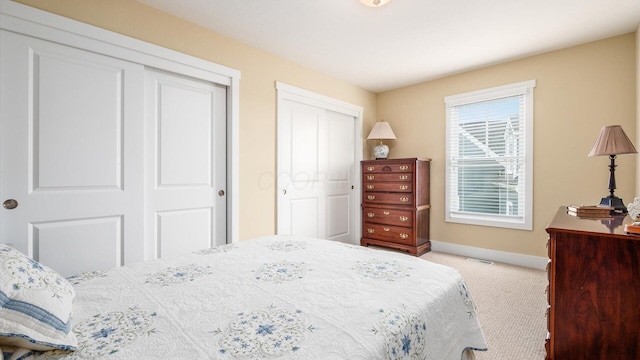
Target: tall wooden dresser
395, 204
594, 289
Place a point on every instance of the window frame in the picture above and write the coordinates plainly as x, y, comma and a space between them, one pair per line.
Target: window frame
525, 89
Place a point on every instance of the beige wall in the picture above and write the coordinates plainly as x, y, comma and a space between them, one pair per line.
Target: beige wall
579, 90
637, 140
260, 71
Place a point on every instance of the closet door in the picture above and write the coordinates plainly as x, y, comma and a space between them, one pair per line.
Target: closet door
340, 184
316, 172
186, 153
71, 164
301, 170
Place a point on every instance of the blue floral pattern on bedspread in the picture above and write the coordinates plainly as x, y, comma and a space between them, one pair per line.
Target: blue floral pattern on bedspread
288, 245
380, 269
85, 276
281, 271
217, 249
178, 274
264, 333
404, 334
105, 334
466, 299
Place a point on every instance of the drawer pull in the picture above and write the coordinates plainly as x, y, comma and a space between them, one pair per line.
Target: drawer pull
404, 167
371, 168
404, 177
371, 197
403, 236
371, 231
386, 228
386, 212
404, 187
404, 218
370, 187
370, 177
404, 199
371, 215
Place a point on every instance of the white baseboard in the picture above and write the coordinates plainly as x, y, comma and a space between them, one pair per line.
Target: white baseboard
530, 261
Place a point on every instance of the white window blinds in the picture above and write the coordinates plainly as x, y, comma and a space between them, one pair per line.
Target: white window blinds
489, 135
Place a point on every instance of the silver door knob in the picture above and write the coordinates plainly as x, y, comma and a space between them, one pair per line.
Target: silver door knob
10, 204
221, 193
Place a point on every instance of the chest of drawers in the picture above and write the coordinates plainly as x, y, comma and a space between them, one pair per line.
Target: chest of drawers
395, 204
594, 289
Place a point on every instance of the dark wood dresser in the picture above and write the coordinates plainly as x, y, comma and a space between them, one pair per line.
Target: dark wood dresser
594, 289
395, 204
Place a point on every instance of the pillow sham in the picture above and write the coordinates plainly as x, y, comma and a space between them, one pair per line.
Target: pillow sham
35, 304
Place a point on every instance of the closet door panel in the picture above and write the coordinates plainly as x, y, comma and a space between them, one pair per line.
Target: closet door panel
186, 162
70, 122
302, 167
85, 238
184, 130
340, 177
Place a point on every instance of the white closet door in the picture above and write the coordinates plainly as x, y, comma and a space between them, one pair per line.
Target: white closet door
186, 152
301, 165
316, 167
340, 185
70, 127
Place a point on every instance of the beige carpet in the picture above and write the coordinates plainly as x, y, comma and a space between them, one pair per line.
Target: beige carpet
511, 304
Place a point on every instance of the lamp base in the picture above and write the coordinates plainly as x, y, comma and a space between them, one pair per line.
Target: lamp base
380, 151
614, 202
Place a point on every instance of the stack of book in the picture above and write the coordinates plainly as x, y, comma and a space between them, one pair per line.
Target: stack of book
593, 211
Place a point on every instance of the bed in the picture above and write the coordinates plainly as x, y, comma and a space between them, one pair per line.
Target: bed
275, 297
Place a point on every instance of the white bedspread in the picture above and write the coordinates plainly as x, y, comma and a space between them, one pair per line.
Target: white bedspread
276, 297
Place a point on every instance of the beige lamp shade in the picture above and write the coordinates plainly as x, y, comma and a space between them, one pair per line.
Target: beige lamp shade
381, 131
612, 141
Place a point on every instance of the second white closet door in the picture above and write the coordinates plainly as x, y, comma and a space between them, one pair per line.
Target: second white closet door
186, 151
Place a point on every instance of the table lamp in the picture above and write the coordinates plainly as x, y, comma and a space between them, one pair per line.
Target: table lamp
381, 131
612, 141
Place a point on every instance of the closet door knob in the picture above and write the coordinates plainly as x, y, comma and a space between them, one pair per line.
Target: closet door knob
10, 204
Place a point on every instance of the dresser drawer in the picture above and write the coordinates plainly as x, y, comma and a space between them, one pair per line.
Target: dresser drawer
406, 187
398, 167
388, 216
388, 198
396, 234
408, 177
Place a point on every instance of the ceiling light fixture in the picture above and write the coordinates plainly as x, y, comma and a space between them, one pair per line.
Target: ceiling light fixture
374, 3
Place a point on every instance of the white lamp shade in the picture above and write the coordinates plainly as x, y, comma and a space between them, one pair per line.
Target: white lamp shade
381, 131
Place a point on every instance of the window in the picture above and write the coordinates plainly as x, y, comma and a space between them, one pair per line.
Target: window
489, 170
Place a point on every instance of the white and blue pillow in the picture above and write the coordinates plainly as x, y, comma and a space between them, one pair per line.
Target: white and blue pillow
35, 304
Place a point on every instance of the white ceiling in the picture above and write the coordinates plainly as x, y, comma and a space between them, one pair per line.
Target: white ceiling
407, 41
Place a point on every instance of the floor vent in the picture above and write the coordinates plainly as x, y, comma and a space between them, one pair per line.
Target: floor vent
480, 261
